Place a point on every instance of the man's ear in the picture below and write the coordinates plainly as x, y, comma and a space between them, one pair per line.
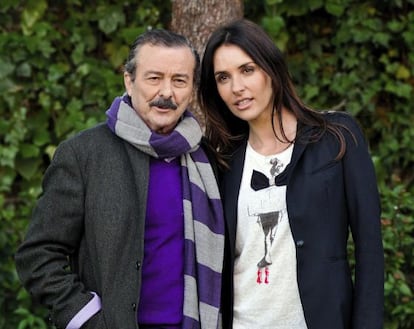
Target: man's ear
128, 83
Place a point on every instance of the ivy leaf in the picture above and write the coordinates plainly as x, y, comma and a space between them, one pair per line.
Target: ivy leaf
395, 26
403, 73
7, 155
400, 89
27, 167
273, 2
315, 4
6, 67
110, 20
128, 34
28, 150
31, 14
57, 71
116, 53
311, 91
404, 289
335, 8
382, 38
24, 70
41, 136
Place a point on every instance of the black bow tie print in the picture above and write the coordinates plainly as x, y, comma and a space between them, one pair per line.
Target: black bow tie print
259, 181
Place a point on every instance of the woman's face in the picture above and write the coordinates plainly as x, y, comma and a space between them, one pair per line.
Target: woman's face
242, 84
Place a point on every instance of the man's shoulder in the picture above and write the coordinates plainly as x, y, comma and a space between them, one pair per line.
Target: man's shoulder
93, 139
101, 129
92, 134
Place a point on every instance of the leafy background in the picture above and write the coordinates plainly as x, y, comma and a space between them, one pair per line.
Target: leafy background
60, 67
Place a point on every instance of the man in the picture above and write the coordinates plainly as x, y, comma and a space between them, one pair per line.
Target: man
129, 231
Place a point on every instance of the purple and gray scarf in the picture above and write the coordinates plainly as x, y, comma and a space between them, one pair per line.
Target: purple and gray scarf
203, 220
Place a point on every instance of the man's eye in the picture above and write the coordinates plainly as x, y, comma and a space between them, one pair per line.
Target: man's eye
180, 82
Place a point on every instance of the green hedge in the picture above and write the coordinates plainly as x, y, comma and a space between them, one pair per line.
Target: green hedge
60, 67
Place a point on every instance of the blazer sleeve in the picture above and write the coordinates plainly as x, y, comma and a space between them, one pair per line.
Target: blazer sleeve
54, 233
364, 214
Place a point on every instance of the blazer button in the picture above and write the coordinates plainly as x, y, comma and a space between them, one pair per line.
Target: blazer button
134, 306
138, 265
300, 243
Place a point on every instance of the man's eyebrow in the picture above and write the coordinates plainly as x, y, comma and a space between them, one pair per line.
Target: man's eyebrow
181, 75
146, 73
153, 72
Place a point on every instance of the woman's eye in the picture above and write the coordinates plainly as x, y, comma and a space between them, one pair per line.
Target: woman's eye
248, 69
221, 78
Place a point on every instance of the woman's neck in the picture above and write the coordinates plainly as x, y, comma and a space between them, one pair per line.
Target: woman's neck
263, 140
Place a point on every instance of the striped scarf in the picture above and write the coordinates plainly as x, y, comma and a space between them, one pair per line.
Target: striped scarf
203, 220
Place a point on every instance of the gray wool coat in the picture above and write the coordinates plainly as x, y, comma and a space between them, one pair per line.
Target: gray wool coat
86, 233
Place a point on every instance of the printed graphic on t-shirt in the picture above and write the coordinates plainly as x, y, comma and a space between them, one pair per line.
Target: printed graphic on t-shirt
266, 293
268, 212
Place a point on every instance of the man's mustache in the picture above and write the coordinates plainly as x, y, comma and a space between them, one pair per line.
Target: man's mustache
164, 103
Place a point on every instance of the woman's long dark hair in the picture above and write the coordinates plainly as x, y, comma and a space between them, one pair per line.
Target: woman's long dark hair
223, 129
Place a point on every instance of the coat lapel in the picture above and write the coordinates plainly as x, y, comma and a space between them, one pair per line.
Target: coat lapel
230, 191
140, 167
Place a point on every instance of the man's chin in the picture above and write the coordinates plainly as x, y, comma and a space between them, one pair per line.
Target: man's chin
164, 128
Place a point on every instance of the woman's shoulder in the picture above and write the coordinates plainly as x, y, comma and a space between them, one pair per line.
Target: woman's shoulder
342, 120
337, 116
348, 126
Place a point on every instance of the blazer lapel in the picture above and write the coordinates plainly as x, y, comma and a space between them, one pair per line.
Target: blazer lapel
230, 191
298, 149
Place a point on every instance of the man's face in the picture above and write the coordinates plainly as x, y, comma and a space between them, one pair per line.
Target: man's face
163, 85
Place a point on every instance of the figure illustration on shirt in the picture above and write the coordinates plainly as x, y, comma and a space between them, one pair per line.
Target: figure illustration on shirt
268, 222
268, 217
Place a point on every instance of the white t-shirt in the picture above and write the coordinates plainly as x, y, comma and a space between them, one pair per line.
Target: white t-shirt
266, 293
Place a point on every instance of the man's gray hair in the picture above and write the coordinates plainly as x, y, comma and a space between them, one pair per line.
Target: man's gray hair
160, 37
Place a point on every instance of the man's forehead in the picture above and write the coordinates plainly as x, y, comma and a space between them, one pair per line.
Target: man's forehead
162, 59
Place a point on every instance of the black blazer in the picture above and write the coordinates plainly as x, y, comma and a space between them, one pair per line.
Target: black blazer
325, 199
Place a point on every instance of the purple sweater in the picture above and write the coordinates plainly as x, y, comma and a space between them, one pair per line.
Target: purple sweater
162, 289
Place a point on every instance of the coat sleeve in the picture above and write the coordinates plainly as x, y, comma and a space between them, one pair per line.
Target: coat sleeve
364, 215
54, 233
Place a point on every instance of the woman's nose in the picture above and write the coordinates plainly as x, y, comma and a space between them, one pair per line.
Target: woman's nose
237, 84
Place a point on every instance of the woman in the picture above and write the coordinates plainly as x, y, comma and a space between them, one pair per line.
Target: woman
295, 182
